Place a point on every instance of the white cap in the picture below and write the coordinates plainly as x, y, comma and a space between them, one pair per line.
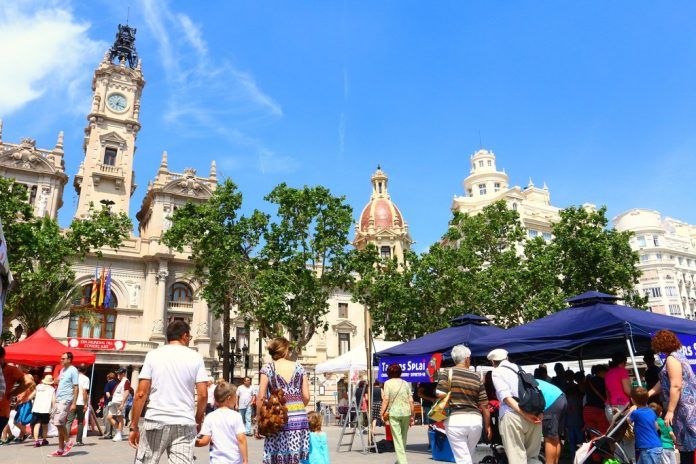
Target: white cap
498, 354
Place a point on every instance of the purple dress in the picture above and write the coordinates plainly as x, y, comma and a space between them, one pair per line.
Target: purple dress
684, 421
290, 445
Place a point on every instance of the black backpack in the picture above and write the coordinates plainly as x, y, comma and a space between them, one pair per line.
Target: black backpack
529, 396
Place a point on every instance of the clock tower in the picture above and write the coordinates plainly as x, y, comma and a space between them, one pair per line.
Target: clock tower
106, 173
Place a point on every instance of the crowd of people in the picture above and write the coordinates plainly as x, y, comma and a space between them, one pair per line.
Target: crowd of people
177, 407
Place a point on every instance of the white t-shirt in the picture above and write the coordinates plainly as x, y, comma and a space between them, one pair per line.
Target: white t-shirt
43, 399
174, 371
83, 384
244, 395
223, 425
211, 395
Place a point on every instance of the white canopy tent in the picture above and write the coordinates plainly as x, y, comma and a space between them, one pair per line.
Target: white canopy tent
355, 359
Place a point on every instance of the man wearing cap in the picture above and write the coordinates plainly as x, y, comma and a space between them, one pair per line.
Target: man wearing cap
82, 400
520, 430
118, 403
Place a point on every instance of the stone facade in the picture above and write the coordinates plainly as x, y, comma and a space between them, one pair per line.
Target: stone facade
150, 283
667, 249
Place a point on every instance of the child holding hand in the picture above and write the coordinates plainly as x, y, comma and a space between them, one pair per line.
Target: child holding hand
644, 421
318, 444
223, 429
667, 437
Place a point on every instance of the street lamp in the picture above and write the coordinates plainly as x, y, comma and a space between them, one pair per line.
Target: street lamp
221, 356
245, 352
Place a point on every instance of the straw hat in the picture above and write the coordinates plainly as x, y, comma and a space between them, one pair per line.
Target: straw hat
498, 354
48, 380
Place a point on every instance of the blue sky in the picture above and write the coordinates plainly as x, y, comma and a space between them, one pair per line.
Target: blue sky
597, 99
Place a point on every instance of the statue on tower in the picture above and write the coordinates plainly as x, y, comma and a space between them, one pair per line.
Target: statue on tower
124, 46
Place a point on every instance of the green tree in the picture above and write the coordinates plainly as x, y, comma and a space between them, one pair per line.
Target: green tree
222, 245
588, 255
305, 260
41, 255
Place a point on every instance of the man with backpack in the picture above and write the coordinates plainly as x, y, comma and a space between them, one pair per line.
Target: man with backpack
521, 407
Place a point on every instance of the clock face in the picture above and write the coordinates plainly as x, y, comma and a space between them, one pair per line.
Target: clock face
117, 102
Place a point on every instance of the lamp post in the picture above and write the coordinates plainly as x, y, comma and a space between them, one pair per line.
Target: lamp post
245, 357
221, 355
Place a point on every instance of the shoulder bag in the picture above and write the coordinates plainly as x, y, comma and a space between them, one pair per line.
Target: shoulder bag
441, 409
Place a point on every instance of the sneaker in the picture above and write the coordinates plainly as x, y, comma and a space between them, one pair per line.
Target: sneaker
44, 442
37, 443
68, 446
79, 443
106, 437
117, 437
57, 453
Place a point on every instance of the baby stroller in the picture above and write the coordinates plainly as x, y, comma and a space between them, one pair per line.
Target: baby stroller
607, 446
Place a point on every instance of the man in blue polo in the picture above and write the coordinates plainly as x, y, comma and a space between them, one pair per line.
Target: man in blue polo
66, 402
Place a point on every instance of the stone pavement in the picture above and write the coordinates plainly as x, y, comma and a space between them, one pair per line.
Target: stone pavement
108, 452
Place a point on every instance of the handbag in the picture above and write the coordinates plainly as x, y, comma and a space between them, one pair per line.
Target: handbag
273, 416
441, 410
385, 416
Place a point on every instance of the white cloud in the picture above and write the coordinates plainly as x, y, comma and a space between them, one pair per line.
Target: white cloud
219, 96
45, 51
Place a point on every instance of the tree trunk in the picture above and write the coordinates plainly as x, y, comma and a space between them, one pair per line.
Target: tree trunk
226, 341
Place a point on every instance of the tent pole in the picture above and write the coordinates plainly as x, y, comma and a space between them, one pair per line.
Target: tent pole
91, 382
368, 353
633, 359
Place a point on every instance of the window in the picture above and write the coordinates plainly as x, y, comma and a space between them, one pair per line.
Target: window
658, 256
385, 251
641, 241
181, 292
343, 310
497, 186
688, 262
480, 164
675, 310
656, 240
547, 236
514, 206
644, 258
681, 261
242, 337
671, 291
32, 194
98, 323
671, 257
471, 193
343, 343
110, 156
490, 163
533, 233
653, 292
482, 189
379, 187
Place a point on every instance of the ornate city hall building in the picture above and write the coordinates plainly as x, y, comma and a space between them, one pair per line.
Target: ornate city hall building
150, 285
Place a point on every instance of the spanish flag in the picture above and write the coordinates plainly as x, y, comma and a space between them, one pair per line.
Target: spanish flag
93, 293
102, 285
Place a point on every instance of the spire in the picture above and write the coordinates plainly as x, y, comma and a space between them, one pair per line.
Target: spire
530, 184
123, 49
379, 183
546, 187
213, 171
59, 142
163, 163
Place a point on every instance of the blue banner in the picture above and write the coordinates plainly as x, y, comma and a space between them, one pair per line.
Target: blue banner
688, 349
417, 368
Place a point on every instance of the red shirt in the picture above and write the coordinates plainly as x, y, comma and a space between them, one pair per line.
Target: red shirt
12, 376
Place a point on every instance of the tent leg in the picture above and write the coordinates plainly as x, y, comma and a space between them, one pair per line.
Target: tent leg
580, 365
633, 359
91, 383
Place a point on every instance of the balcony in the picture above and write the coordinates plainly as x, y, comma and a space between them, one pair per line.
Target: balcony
179, 305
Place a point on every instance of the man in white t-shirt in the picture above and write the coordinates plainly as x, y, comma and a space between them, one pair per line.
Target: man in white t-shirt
117, 406
82, 400
167, 379
244, 397
210, 407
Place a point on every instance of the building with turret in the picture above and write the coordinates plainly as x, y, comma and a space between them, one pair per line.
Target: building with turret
485, 185
151, 284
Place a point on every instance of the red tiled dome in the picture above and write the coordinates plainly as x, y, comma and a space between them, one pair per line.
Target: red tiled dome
384, 213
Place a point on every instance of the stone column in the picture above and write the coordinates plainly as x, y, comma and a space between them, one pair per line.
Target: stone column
160, 318
149, 302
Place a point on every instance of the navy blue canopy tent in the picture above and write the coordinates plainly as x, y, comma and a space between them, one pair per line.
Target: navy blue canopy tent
467, 330
592, 328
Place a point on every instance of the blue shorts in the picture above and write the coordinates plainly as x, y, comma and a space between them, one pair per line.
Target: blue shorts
24, 413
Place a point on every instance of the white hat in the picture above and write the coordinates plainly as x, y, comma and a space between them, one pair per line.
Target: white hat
498, 354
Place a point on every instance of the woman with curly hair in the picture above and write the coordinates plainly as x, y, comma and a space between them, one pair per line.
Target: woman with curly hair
678, 387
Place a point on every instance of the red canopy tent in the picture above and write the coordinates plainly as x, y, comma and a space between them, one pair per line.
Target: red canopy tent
41, 349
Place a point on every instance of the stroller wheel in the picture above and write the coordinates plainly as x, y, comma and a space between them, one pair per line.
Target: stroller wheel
489, 460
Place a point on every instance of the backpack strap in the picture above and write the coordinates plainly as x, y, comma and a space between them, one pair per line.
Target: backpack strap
513, 370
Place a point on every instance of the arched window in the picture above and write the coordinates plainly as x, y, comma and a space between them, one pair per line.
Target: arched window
181, 293
110, 156
385, 251
87, 321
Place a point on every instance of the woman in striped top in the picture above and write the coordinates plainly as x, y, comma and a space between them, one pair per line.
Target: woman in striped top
467, 401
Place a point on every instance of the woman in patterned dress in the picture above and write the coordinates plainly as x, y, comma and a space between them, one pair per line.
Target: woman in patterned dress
291, 444
678, 387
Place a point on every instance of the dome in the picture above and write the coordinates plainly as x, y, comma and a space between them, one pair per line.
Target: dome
380, 213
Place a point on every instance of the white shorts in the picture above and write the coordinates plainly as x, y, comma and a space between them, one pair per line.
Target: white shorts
112, 410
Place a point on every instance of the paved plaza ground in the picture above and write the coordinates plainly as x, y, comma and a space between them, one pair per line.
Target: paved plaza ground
108, 452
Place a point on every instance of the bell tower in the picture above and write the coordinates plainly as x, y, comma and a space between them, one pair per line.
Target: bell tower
106, 173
